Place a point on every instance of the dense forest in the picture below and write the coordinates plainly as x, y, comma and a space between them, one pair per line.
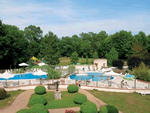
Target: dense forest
18, 46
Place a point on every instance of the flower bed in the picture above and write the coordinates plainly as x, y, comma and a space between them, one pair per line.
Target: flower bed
70, 111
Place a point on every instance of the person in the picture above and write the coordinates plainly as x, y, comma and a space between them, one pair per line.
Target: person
89, 68
126, 84
108, 78
77, 83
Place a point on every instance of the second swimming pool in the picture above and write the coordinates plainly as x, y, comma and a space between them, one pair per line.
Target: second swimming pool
95, 76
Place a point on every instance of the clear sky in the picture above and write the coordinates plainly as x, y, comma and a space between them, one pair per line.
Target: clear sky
69, 17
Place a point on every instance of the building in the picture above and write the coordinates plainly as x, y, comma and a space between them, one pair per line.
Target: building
100, 62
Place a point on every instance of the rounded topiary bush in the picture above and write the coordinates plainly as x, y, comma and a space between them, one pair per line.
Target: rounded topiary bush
79, 99
72, 88
112, 109
37, 99
88, 107
23, 111
103, 109
108, 109
38, 108
40, 90
2, 93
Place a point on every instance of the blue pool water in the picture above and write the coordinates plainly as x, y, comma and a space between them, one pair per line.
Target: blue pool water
129, 76
94, 76
25, 76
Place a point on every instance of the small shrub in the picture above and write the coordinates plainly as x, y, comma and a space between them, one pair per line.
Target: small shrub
103, 109
72, 88
38, 108
40, 90
142, 72
19, 90
95, 89
37, 99
23, 111
108, 109
88, 107
2, 93
79, 99
135, 92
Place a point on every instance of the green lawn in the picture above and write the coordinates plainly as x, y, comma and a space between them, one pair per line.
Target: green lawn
125, 102
66, 61
65, 102
9, 99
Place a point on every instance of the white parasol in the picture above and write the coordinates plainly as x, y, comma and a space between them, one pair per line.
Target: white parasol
23, 64
112, 73
6, 75
41, 64
40, 72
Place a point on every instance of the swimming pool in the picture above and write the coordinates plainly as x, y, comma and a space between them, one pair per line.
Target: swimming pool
94, 76
129, 76
25, 76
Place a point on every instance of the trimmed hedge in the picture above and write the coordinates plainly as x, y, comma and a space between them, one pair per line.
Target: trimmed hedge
38, 108
88, 107
72, 88
23, 111
108, 109
2, 93
79, 99
37, 99
40, 90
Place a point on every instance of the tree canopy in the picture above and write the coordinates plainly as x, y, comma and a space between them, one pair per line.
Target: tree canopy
18, 46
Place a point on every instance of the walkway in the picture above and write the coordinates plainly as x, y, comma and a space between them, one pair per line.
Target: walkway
22, 99
20, 102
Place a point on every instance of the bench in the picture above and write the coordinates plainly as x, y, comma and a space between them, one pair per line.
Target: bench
51, 86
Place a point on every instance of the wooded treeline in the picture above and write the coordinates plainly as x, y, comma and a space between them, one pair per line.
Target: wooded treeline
18, 46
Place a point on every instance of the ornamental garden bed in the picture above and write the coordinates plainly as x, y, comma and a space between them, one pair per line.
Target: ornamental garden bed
42, 101
65, 102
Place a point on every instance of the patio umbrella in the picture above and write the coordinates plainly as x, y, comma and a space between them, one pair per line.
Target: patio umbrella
23, 64
40, 72
6, 75
112, 73
41, 64
33, 58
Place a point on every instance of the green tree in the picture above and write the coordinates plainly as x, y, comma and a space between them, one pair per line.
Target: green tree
112, 55
74, 58
50, 48
34, 35
87, 60
123, 42
66, 47
12, 46
95, 55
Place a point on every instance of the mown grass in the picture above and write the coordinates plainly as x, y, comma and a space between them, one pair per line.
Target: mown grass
125, 102
9, 98
67, 61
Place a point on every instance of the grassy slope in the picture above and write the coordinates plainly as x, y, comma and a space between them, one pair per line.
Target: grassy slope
9, 99
66, 61
126, 102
